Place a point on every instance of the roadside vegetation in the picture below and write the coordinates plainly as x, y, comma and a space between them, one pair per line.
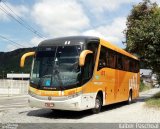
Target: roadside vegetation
154, 101
143, 34
9, 61
143, 87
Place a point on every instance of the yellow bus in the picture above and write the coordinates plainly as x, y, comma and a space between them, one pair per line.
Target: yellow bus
81, 72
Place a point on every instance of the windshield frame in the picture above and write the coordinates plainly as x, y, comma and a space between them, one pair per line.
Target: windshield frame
38, 84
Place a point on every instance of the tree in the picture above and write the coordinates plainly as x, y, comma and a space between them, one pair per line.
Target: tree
143, 34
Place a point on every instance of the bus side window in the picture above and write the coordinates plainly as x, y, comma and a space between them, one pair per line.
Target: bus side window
119, 62
111, 59
126, 63
88, 68
93, 47
137, 66
90, 61
132, 65
102, 58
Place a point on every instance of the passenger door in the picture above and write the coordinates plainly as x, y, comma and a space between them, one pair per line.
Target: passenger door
105, 75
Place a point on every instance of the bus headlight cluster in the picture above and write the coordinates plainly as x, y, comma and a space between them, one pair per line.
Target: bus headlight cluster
75, 95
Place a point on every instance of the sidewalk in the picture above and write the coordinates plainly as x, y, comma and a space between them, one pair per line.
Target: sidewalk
12, 96
151, 91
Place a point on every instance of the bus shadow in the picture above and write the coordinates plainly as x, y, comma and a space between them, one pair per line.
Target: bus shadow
61, 114
113, 106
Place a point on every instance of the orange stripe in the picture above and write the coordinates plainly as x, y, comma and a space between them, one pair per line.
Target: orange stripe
55, 93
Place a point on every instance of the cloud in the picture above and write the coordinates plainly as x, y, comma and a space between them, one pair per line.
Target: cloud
157, 1
112, 32
104, 5
35, 41
60, 17
63, 18
3, 16
11, 47
19, 10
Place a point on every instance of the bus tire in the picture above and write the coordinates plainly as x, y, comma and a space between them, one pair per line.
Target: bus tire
98, 105
130, 100
54, 110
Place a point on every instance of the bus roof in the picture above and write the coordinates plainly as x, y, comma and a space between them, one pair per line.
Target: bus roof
72, 39
84, 39
117, 49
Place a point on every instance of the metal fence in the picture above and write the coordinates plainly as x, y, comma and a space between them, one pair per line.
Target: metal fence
13, 87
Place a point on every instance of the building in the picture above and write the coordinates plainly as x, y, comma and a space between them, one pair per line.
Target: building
148, 77
18, 76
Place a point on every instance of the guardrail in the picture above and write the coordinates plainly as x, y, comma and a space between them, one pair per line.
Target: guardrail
13, 87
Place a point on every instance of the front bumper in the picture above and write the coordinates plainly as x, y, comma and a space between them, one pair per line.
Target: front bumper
74, 104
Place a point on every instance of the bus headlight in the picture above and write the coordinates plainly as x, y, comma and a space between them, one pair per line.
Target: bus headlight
75, 95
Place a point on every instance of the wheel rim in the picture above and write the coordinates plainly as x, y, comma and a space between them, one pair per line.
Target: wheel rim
130, 98
97, 105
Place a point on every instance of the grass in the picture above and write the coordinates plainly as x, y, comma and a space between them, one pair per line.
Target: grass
154, 101
143, 87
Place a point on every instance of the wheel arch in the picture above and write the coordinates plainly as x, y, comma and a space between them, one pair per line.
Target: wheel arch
100, 94
131, 90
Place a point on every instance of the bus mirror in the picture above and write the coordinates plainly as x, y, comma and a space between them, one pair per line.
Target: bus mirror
83, 56
23, 58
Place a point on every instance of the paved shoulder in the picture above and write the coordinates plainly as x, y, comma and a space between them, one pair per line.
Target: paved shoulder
116, 113
12, 102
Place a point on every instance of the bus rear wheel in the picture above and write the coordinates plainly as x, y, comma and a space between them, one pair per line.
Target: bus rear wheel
98, 105
130, 98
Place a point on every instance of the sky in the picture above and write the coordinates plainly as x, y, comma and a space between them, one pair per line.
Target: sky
24, 23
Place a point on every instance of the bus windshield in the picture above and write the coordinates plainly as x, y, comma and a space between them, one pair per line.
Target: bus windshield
57, 68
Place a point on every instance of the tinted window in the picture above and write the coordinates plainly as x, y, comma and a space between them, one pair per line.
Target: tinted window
110, 58
102, 58
119, 62
93, 46
125, 63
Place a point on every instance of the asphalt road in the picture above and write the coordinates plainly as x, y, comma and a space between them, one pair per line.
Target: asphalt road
16, 110
14, 102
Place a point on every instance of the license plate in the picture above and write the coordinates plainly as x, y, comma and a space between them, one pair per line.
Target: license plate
49, 104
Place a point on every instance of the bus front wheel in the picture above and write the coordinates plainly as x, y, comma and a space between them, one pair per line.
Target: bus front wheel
98, 105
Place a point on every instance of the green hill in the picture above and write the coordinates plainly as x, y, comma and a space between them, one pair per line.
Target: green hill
9, 61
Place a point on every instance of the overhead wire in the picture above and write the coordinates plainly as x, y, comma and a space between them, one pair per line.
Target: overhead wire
11, 41
9, 12
18, 19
